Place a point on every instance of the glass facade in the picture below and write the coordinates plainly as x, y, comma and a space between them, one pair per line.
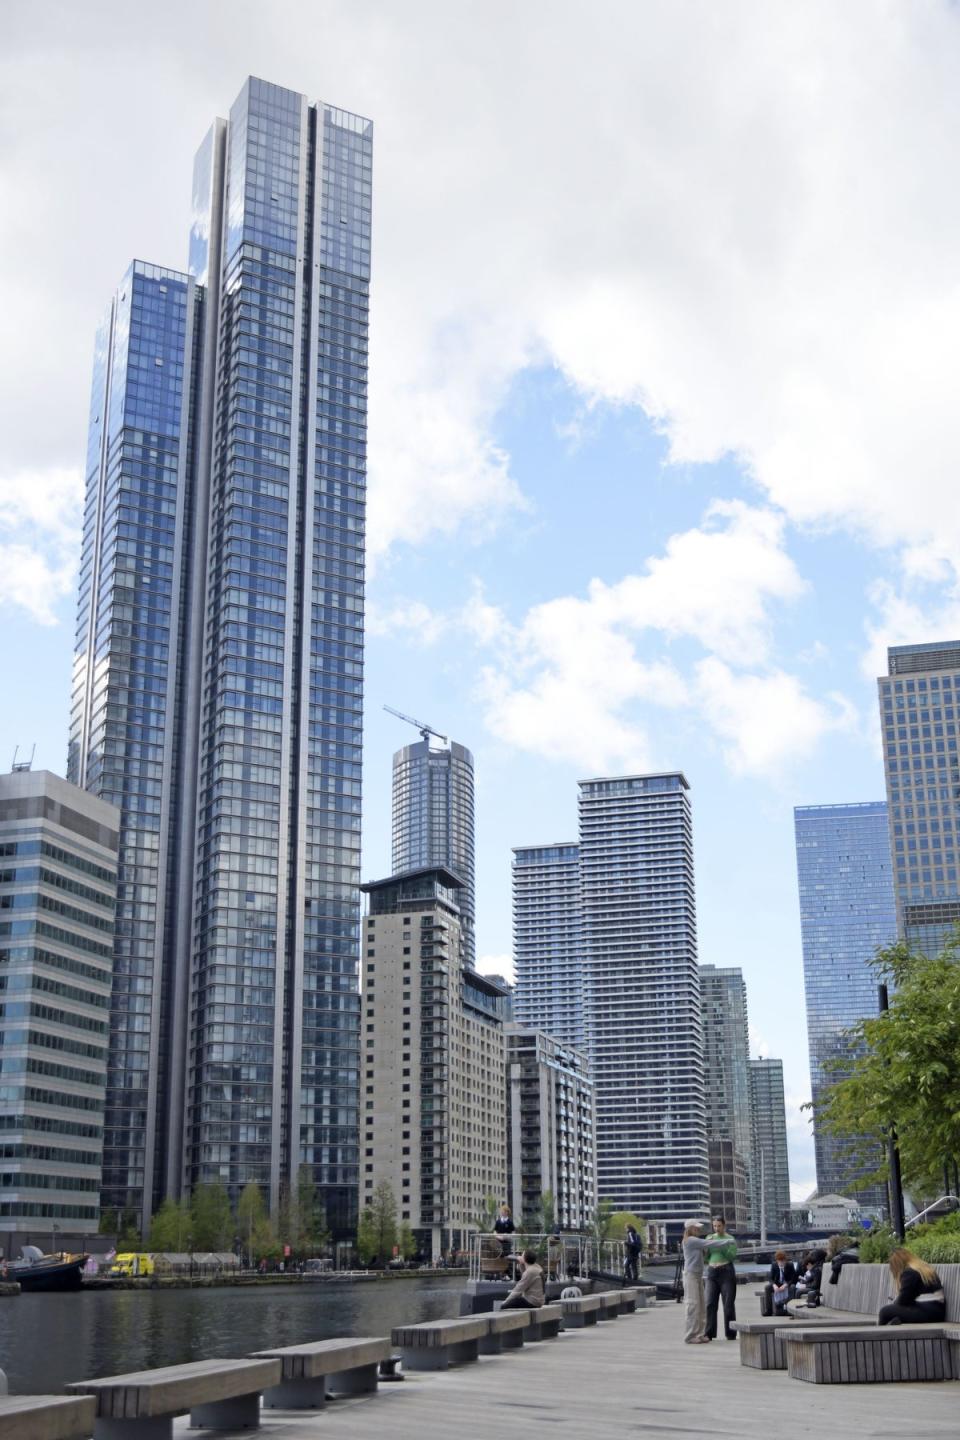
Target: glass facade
726, 1057
548, 941
58, 889
919, 714
847, 912
236, 759
433, 820
770, 1187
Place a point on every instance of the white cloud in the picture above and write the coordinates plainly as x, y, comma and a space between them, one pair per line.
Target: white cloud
740, 217
39, 540
496, 965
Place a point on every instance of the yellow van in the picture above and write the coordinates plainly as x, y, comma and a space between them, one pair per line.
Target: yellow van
131, 1263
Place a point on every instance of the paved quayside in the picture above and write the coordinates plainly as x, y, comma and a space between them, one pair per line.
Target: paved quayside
632, 1376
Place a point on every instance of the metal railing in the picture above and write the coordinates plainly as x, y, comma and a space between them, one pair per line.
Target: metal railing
563, 1257
914, 1219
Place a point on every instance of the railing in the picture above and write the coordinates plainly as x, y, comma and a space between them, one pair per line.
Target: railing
916, 1218
563, 1257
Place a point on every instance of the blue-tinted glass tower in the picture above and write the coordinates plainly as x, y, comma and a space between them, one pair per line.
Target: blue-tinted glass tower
218, 684
847, 912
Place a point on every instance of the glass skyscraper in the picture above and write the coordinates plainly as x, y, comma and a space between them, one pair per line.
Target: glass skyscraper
218, 677
726, 1058
642, 994
770, 1177
433, 821
920, 716
548, 941
847, 912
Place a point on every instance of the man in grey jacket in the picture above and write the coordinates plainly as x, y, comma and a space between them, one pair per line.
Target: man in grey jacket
694, 1304
528, 1293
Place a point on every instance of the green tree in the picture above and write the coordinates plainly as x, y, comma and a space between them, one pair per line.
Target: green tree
109, 1221
601, 1223
903, 1070
171, 1226
619, 1221
314, 1234
128, 1227
212, 1217
408, 1245
377, 1231
485, 1220
253, 1222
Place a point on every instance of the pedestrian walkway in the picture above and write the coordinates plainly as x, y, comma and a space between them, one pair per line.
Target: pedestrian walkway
628, 1377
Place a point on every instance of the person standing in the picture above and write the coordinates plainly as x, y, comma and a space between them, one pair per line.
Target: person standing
720, 1252
693, 1247
633, 1250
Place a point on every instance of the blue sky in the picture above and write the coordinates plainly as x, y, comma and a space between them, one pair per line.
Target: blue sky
663, 439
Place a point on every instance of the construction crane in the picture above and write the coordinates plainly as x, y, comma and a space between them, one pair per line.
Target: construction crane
425, 730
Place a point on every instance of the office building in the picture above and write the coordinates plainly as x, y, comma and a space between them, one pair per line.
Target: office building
218, 675
58, 891
642, 994
550, 1130
433, 1088
433, 819
847, 912
726, 1060
548, 941
770, 1197
919, 713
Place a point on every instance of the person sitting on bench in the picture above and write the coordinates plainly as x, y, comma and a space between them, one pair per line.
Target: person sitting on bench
528, 1293
920, 1297
782, 1285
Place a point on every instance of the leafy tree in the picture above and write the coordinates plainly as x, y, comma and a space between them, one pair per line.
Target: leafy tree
171, 1226
213, 1227
620, 1219
109, 1221
487, 1217
601, 1224
903, 1070
377, 1231
128, 1227
406, 1242
314, 1234
253, 1222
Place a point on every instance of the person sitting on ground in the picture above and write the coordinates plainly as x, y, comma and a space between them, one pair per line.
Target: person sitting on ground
782, 1285
920, 1298
528, 1293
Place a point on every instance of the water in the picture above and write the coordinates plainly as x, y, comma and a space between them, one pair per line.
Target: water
46, 1341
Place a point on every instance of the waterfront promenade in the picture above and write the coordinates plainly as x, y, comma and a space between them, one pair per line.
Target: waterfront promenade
632, 1376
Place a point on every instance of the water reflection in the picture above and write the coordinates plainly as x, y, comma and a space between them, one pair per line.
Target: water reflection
48, 1340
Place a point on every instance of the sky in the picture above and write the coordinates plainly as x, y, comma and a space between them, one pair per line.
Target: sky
663, 420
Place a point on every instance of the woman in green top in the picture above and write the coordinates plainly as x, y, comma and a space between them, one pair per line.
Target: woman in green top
720, 1252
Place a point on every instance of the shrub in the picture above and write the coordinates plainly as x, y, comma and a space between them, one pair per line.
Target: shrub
936, 1249
876, 1245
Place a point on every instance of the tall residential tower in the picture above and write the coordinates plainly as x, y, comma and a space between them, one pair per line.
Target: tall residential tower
726, 1059
920, 716
433, 820
548, 941
847, 912
218, 676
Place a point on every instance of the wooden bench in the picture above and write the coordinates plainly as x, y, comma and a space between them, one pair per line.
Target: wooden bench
578, 1313
507, 1331
859, 1355
544, 1323
761, 1341
437, 1344
218, 1394
340, 1367
46, 1417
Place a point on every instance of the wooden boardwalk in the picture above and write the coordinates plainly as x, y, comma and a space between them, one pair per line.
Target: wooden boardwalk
628, 1377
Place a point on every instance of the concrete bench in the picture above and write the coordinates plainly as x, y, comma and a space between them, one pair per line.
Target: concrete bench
340, 1367
544, 1323
438, 1343
646, 1295
507, 1331
578, 1313
218, 1394
761, 1341
609, 1305
858, 1355
46, 1417
628, 1301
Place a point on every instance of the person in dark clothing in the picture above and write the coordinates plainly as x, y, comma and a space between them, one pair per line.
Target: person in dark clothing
920, 1298
782, 1285
633, 1250
811, 1277
845, 1257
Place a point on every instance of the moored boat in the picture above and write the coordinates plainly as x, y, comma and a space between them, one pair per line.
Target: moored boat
36, 1271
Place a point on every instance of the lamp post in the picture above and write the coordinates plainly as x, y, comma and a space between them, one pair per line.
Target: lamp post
894, 1181
53, 1238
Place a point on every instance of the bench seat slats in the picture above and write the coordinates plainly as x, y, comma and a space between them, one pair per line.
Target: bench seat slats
328, 1357
43, 1417
176, 1389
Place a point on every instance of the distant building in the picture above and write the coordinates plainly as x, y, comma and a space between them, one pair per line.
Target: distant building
433, 1083
550, 1128
643, 1028
832, 1212
434, 823
920, 720
771, 1200
726, 1060
58, 895
548, 940
847, 912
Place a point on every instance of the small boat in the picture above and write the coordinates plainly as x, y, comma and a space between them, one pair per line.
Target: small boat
36, 1271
